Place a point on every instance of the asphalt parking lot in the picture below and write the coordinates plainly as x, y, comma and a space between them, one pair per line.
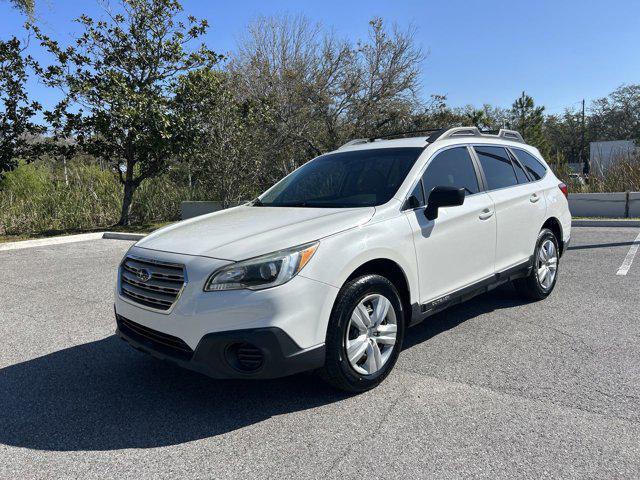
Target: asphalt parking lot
494, 388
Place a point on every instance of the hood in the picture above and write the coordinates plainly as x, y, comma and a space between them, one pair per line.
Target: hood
244, 232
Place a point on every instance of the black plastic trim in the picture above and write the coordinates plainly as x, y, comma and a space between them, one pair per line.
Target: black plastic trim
427, 309
564, 245
481, 176
282, 356
482, 181
437, 134
153, 339
430, 131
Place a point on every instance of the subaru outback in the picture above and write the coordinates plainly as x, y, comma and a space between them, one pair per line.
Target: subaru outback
328, 268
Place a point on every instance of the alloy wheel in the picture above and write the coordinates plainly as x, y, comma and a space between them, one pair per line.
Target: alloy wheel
371, 334
547, 264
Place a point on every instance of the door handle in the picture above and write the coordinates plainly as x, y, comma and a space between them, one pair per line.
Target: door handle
534, 198
486, 213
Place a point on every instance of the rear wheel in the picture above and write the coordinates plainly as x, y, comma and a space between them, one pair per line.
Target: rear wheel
544, 273
365, 334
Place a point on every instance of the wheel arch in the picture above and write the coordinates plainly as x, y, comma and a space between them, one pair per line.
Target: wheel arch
553, 224
394, 273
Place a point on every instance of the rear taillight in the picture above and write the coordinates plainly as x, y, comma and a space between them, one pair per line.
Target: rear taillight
564, 189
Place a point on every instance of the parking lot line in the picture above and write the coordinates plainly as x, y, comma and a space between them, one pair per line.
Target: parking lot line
628, 260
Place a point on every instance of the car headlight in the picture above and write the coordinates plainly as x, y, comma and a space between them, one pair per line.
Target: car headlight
262, 272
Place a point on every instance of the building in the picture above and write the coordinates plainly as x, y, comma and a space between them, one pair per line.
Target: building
602, 155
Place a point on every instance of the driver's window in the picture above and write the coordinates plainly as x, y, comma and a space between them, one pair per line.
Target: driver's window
451, 168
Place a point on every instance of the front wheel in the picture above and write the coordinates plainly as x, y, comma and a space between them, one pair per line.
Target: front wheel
364, 335
544, 272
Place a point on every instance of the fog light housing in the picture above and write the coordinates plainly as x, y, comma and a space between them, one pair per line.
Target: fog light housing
244, 357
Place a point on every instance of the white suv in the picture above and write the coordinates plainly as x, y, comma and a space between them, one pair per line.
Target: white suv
328, 268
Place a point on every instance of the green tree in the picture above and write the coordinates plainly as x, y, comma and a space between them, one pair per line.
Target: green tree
321, 90
17, 129
476, 117
563, 134
119, 78
528, 119
616, 116
26, 6
437, 114
219, 135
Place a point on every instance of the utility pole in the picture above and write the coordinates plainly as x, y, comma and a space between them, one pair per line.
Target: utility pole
585, 160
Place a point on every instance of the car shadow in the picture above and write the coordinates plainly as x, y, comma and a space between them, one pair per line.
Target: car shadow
104, 395
602, 245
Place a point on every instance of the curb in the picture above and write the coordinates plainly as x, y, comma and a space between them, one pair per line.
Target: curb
82, 237
122, 236
606, 223
43, 242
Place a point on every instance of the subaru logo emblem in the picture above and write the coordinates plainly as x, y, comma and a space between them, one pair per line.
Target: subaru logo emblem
143, 275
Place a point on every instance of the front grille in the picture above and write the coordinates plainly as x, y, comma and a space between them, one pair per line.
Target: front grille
151, 283
158, 341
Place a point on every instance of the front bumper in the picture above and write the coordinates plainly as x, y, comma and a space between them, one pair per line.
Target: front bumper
251, 353
300, 307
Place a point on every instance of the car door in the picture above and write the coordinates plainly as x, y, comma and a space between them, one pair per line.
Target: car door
456, 249
519, 208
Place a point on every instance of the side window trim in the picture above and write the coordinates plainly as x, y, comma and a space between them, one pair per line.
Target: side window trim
424, 197
405, 204
533, 180
515, 160
482, 180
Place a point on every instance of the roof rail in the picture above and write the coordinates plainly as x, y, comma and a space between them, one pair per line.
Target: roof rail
444, 133
355, 141
407, 132
358, 141
476, 132
460, 132
510, 135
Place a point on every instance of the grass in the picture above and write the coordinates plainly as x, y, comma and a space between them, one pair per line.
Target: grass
41, 200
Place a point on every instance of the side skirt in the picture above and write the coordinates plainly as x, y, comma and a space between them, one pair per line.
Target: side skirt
425, 310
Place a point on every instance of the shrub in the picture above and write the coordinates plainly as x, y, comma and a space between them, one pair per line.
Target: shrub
35, 198
40, 197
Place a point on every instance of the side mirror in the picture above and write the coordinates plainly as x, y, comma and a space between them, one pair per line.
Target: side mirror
443, 197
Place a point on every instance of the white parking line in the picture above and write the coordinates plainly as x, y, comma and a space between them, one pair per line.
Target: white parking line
628, 260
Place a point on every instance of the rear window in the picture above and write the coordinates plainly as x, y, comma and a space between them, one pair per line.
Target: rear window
497, 167
536, 169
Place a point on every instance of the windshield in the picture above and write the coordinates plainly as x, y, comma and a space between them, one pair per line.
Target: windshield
361, 178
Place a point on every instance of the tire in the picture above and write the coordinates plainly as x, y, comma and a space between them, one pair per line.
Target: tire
344, 327
538, 286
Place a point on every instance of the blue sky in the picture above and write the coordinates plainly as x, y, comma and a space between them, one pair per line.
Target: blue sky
478, 51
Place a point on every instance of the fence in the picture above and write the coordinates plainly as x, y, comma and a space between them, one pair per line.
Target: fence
612, 205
